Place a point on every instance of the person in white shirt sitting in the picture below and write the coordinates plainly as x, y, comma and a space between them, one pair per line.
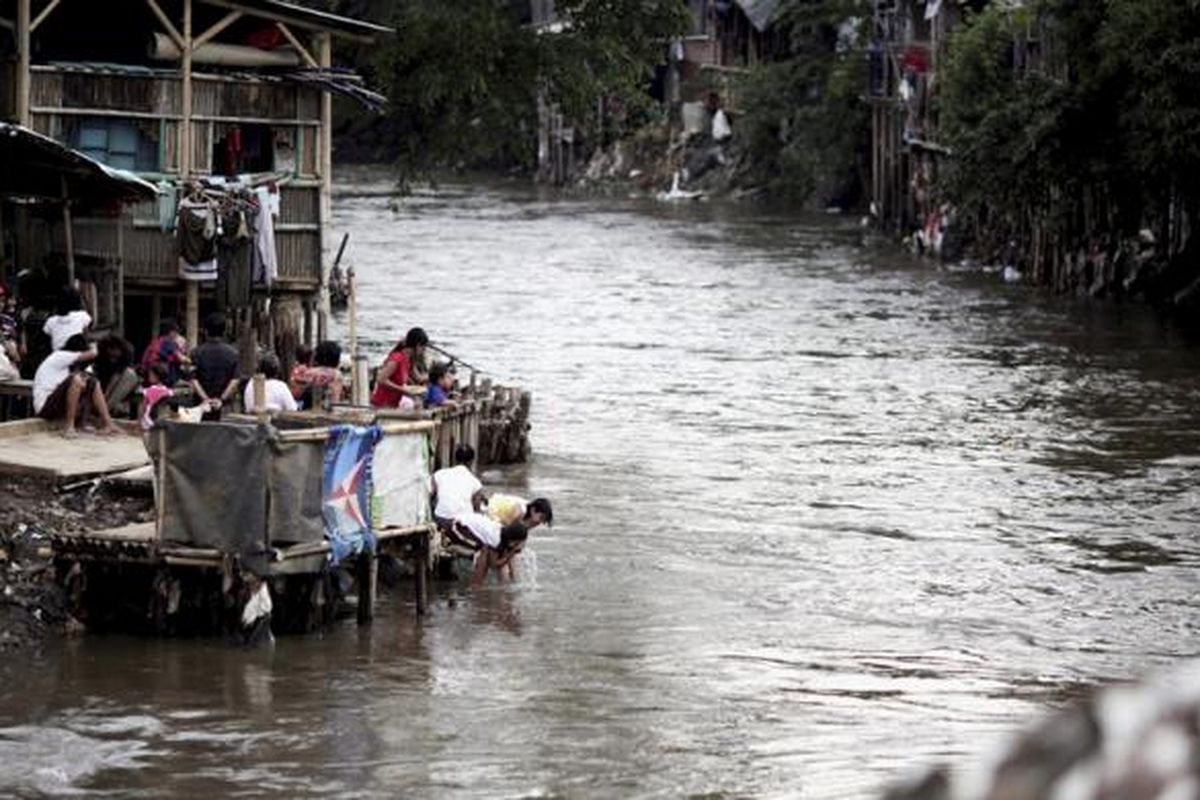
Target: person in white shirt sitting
69, 318
63, 391
276, 395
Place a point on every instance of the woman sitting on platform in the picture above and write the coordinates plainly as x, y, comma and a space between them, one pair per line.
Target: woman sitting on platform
397, 371
298, 381
276, 394
113, 367
319, 382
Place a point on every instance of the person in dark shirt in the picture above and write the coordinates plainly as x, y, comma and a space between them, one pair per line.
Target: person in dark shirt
215, 379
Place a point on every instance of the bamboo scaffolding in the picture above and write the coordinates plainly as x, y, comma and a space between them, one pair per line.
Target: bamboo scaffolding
388, 428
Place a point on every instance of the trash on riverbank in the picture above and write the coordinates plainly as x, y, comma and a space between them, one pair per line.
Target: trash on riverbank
33, 602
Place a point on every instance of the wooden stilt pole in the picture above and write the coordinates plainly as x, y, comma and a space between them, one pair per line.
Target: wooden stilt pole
23, 61
368, 576
357, 391
421, 574
191, 289
325, 143
193, 313
120, 289
68, 232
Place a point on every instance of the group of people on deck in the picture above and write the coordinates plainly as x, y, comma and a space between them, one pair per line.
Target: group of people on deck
84, 382
497, 527
404, 372
84, 385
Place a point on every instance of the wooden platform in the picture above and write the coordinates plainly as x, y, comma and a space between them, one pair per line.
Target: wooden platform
30, 447
139, 541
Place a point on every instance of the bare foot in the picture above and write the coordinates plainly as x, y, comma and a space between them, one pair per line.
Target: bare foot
110, 430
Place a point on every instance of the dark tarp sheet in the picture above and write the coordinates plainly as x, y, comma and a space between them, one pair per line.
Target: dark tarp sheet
295, 506
215, 485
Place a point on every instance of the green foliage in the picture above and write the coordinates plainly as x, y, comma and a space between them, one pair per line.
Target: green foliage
609, 51
805, 126
461, 79
463, 76
1098, 141
1011, 135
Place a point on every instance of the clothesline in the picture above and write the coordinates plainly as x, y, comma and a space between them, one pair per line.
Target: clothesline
227, 235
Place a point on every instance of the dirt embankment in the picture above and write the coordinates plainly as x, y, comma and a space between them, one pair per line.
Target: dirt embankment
33, 603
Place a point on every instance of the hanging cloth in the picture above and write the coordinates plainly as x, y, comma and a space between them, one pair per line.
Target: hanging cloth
196, 237
235, 255
266, 268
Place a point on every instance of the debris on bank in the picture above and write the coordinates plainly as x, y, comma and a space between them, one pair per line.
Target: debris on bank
33, 602
663, 163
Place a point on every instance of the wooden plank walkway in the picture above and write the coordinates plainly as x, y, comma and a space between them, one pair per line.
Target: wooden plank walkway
31, 447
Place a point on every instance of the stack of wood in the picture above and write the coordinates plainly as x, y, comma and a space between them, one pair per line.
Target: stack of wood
504, 425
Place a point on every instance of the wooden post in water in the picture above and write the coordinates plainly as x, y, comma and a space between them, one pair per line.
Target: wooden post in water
367, 575
359, 382
421, 573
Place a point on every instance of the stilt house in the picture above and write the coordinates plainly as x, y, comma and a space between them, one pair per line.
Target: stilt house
173, 91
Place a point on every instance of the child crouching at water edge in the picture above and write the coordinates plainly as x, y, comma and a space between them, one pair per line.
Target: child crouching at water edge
498, 557
501, 534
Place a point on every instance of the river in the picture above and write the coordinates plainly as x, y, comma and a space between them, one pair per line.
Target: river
824, 513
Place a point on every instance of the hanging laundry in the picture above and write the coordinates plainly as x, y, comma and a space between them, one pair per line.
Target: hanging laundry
168, 198
235, 251
266, 264
196, 237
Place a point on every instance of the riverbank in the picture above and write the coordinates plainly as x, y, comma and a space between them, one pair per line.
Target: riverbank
33, 602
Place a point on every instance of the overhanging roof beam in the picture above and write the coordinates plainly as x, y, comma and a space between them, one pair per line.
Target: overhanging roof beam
225, 22
172, 31
300, 48
309, 20
40, 18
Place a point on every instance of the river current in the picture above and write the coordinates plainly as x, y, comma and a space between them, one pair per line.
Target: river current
824, 513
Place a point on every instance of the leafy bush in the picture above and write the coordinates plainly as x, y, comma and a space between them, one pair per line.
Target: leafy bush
805, 126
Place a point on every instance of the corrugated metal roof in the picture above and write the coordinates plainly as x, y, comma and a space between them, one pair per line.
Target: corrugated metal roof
34, 166
761, 13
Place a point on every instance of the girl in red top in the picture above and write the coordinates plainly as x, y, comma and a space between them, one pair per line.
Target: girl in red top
396, 371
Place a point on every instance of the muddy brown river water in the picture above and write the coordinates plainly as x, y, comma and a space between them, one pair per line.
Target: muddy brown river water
824, 513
